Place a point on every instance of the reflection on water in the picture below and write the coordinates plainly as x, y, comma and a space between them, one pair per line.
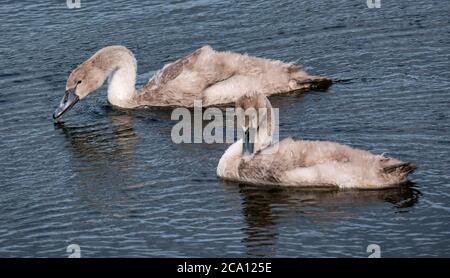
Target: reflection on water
102, 159
93, 141
265, 207
112, 180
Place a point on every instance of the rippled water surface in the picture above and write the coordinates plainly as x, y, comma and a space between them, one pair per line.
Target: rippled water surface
113, 182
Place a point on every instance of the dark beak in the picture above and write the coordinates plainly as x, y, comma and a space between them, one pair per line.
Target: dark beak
248, 145
69, 100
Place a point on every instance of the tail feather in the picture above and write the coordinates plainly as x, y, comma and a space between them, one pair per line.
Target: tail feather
315, 82
402, 169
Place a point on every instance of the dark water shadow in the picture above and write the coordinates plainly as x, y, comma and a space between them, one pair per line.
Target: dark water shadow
264, 207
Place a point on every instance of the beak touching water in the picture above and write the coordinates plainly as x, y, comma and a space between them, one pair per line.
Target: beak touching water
69, 100
248, 145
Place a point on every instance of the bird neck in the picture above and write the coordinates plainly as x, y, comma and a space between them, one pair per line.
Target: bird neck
263, 139
228, 165
122, 80
264, 134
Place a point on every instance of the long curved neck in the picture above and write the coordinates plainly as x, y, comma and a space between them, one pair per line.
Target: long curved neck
264, 135
122, 78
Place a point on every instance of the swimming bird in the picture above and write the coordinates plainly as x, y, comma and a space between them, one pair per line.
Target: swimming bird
211, 76
257, 159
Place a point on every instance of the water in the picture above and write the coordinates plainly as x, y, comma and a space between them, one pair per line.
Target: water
113, 182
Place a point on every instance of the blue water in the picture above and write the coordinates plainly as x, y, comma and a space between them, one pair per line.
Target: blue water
113, 182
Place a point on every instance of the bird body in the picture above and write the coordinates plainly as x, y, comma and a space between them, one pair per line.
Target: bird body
306, 163
214, 77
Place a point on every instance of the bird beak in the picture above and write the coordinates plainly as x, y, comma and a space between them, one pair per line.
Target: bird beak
69, 100
248, 145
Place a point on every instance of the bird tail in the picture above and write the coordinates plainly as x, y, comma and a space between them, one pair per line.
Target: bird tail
315, 82
401, 170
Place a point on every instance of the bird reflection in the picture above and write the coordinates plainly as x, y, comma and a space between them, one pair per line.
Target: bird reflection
97, 142
264, 208
102, 158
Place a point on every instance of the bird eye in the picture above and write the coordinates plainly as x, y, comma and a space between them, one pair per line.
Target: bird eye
78, 82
